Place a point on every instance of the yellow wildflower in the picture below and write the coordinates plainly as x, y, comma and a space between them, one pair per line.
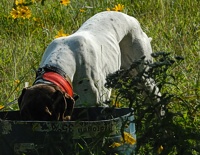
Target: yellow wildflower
1, 107
160, 149
115, 144
61, 34
36, 19
14, 13
65, 2
118, 7
17, 81
108, 9
25, 12
128, 138
117, 104
82, 10
19, 2
21, 12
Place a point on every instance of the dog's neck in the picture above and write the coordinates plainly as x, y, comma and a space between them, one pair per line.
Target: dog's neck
54, 78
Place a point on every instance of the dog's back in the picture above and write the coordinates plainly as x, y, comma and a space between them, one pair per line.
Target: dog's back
105, 43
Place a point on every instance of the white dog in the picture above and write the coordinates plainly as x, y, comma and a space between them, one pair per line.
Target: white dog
105, 43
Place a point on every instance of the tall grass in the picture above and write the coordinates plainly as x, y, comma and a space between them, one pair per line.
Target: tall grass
173, 25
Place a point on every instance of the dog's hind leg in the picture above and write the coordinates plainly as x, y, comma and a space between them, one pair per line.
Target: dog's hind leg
133, 46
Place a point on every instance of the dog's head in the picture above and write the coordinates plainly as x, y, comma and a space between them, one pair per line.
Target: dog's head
45, 103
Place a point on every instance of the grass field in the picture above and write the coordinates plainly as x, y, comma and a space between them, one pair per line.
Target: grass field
174, 26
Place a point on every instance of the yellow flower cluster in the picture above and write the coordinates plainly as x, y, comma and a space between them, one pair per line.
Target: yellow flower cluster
61, 34
118, 7
127, 138
65, 2
17, 82
20, 11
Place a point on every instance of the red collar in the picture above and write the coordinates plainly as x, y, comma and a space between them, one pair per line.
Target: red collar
60, 81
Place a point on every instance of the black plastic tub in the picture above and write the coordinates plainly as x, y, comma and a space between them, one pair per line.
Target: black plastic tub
93, 130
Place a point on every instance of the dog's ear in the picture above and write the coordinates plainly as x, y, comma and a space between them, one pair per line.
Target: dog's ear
59, 105
70, 107
63, 106
21, 97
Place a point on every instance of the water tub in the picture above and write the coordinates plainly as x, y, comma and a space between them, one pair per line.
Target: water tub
94, 129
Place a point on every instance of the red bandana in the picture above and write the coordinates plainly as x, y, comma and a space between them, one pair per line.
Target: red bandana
60, 81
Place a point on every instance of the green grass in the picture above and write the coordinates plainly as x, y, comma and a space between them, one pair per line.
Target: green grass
173, 25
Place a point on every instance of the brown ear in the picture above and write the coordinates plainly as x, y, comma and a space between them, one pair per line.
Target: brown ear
21, 97
70, 106
59, 105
